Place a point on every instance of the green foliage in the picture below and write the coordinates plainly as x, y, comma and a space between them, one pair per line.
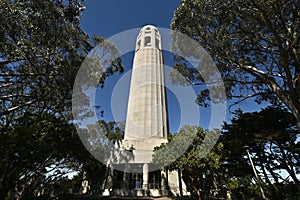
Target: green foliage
255, 45
114, 130
272, 137
41, 50
193, 163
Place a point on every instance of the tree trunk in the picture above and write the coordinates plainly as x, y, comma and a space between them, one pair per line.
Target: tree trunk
298, 121
273, 189
195, 185
288, 166
198, 194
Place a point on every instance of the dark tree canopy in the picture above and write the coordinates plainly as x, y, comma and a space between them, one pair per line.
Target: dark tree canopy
272, 138
41, 49
273, 141
255, 44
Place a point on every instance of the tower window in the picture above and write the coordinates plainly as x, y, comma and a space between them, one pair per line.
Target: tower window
156, 43
147, 41
138, 45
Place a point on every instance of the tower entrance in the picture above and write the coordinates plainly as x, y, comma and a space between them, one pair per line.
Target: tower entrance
136, 181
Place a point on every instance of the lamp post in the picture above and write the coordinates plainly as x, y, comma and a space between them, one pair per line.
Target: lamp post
255, 172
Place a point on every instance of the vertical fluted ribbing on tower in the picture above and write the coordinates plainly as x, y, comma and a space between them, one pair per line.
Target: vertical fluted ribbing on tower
147, 112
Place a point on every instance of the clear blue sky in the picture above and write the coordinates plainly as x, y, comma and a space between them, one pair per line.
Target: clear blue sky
109, 17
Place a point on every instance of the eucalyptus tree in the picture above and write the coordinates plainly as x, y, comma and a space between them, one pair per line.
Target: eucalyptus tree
255, 45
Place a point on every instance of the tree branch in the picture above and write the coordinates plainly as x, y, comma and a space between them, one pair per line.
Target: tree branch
9, 110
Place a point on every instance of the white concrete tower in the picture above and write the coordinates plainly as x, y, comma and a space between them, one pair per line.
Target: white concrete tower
147, 111
146, 125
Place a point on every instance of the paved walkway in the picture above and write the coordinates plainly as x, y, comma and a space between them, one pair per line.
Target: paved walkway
141, 198
88, 197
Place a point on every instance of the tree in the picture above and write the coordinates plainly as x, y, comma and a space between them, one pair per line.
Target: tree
193, 165
271, 135
41, 50
114, 130
255, 45
39, 149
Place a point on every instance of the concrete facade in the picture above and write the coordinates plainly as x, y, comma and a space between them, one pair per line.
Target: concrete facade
146, 114
146, 121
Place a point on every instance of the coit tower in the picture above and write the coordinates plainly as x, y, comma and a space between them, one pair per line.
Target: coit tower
147, 111
146, 125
